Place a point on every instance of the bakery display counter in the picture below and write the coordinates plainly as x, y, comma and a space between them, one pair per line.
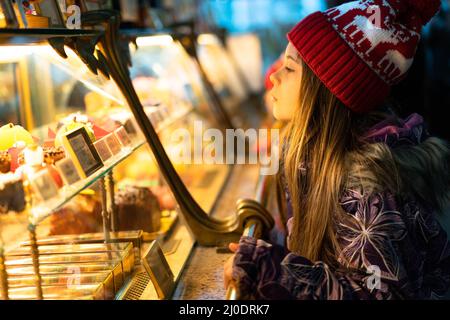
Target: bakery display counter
81, 197
204, 281
165, 77
177, 250
46, 208
194, 278
107, 178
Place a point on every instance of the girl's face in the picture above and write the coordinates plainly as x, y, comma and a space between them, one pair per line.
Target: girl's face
285, 93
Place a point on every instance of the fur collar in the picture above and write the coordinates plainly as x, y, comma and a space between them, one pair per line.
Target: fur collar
401, 155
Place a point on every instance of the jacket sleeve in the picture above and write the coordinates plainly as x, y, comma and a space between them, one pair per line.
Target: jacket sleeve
392, 254
262, 271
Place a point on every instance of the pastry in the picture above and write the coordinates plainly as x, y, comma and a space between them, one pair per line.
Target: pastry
137, 209
54, 154
10, 135
72, 123
12, 194
5, 162
81, 215
34, 158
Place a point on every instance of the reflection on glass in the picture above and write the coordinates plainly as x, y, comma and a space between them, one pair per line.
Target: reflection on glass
59, 96
223, 75
45, 101
9, 98
247, 52
168, 82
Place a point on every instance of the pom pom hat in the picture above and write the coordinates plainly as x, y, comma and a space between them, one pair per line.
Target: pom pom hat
361, 48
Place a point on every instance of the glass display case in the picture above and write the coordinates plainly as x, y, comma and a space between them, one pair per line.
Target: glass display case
109, 175
233, 82
221, 72
166, 78
246, 51
82, 201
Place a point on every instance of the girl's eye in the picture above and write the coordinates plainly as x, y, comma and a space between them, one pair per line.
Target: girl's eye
289, 69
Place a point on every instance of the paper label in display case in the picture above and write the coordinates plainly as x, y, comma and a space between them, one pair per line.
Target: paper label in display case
43, 185
103, 149
113, 143
123, 137
68, 171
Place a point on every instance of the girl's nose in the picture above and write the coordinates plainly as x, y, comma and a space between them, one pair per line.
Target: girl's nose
274, 79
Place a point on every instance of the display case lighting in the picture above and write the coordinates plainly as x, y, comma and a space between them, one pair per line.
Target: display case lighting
161, 40
14, 53
207, 39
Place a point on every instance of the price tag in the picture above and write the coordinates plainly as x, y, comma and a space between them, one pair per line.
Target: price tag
82, 152
68, 171
44, 186
123, 137
103, 150
113, 143
158, 269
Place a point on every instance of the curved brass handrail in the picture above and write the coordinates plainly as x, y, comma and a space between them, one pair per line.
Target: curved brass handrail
252, 229
207, 230
255, 224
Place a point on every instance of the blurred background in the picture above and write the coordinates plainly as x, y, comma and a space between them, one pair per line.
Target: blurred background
426, 90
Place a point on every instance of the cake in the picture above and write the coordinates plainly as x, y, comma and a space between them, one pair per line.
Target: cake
11, 135
5, 162
81, 215
12, 194
165, 197
137, 209
53, 154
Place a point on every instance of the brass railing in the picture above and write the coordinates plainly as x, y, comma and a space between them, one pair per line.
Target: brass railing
258, 222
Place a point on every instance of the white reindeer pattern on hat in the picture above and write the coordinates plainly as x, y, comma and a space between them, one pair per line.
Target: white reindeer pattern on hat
364, 35
374, 34
361, 5
395, 61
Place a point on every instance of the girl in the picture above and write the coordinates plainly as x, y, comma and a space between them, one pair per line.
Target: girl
363, 187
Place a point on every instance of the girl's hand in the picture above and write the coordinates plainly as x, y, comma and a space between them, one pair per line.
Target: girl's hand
228, 268
233, 247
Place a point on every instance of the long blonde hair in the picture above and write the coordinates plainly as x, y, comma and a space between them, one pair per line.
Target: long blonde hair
323, 147
318, 138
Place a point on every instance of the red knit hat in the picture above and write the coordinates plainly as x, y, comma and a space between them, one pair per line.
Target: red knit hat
361, 48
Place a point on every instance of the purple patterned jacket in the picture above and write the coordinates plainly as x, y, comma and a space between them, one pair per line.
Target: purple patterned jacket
397, 250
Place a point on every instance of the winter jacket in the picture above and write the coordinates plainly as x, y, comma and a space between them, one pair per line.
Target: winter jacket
395, 249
